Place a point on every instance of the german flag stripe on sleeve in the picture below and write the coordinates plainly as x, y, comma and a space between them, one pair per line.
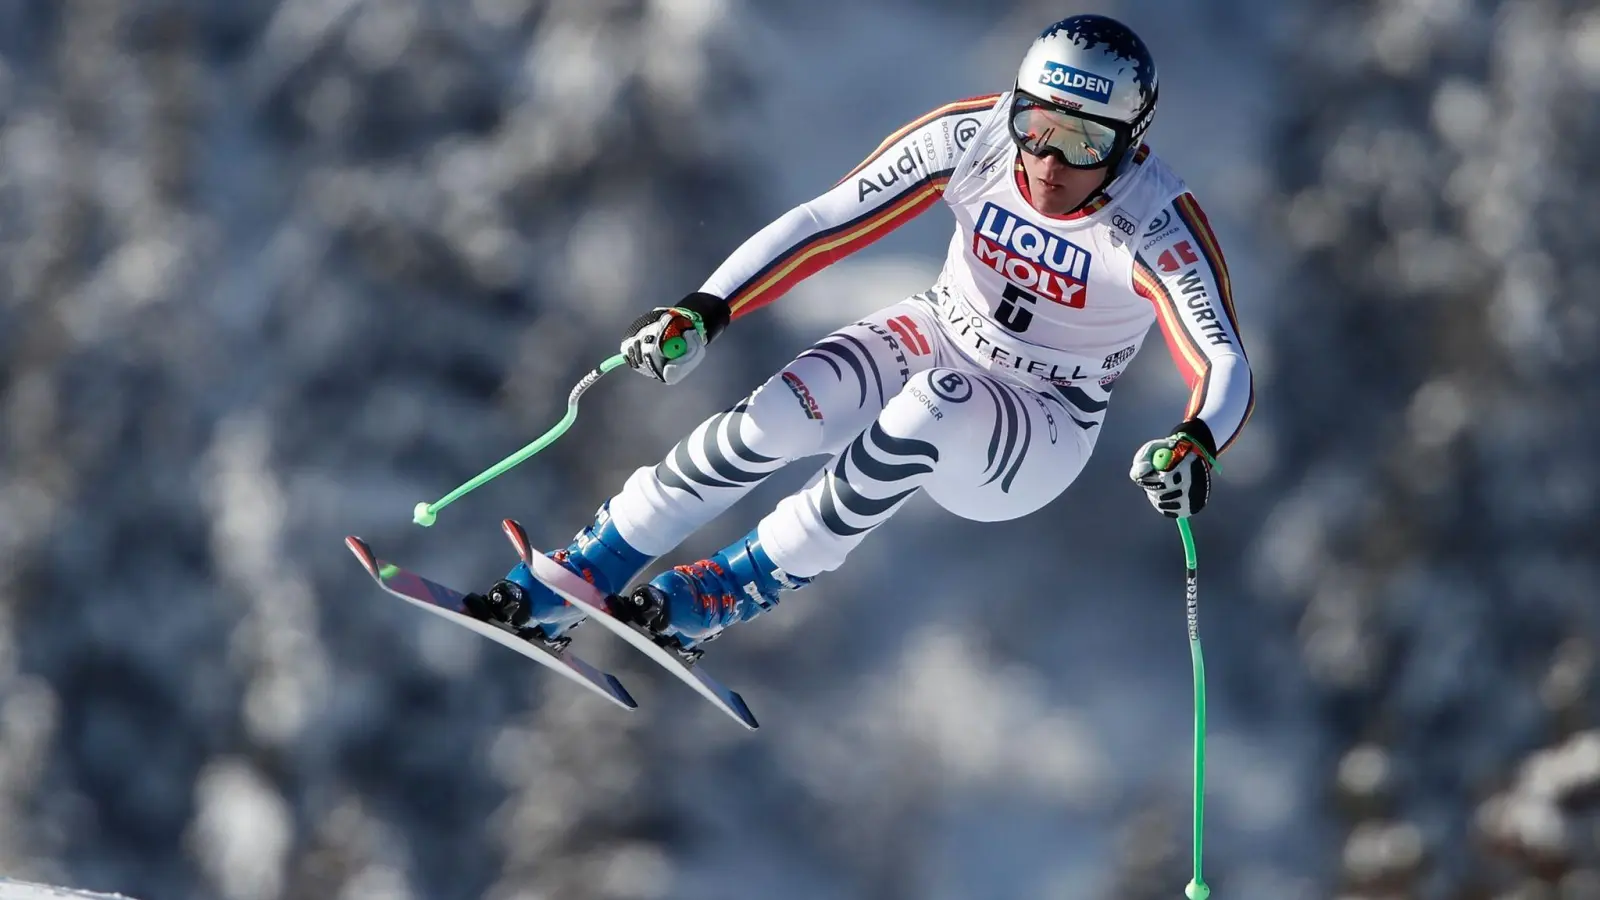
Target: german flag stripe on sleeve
1189, 211
1195, 218
970, 105
826, 247
1186, 352
1197, 396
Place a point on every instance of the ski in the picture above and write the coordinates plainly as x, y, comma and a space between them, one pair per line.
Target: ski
595, 604
446, 603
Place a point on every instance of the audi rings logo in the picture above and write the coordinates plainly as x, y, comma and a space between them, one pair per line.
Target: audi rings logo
965, 130
1159, 222
953, 387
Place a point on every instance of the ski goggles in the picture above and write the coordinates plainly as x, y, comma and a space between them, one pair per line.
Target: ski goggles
1082, 141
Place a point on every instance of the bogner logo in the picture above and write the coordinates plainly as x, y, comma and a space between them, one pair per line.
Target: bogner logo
1050, 266
966, 130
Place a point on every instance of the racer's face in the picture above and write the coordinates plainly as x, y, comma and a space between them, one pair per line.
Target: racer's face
1057, 188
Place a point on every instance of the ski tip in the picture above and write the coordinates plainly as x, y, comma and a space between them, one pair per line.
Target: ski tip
621, 693
518, 537
364, 554
742, 710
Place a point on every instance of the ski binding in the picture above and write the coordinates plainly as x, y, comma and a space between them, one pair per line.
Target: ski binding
597, 606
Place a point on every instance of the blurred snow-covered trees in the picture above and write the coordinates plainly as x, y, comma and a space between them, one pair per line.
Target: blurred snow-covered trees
275, 271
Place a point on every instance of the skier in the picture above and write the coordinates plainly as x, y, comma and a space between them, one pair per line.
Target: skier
987, 391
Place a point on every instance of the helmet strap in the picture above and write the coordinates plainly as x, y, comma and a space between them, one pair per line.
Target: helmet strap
1111, 175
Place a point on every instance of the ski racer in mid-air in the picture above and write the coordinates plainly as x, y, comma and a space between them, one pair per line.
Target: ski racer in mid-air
987, 391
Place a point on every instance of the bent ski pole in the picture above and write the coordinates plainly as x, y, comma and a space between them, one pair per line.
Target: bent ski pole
425, 513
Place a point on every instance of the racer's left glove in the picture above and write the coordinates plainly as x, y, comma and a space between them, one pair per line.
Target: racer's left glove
1175, 471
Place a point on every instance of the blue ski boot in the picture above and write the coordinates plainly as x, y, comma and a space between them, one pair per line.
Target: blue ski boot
598, 555
692, 604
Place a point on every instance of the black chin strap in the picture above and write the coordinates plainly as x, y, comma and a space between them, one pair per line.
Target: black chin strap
1111, 175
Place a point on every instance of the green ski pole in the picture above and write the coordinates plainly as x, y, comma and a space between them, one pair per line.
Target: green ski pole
425, 513
1196, 889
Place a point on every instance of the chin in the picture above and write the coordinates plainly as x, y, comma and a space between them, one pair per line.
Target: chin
1048, 194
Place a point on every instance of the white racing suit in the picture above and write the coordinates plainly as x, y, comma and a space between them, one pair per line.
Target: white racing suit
987, 391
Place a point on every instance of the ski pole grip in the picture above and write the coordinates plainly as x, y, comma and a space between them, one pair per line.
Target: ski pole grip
673, 345
1161, 459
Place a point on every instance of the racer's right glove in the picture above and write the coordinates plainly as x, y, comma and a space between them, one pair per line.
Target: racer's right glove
667, 342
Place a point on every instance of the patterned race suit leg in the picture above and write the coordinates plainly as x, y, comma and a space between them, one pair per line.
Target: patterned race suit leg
898, 407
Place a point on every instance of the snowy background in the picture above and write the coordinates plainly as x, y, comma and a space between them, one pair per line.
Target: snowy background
275, 271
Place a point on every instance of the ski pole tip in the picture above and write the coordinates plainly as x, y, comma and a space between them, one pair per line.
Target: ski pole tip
1197, 891
423, 515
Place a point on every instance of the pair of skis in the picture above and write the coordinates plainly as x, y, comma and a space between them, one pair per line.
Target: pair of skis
530, 642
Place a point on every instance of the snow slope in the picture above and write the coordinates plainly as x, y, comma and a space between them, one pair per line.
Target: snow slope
22, 890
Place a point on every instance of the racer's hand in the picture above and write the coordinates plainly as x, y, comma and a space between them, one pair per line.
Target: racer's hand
667, 342
1175, 471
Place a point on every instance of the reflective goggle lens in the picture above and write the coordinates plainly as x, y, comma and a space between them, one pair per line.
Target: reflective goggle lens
1039, 129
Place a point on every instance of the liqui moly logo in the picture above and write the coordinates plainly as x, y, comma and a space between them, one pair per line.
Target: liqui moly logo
1027, 256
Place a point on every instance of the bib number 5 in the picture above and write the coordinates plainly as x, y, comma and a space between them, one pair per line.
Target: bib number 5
1013, 311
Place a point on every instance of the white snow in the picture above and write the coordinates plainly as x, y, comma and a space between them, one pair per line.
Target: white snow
22, 890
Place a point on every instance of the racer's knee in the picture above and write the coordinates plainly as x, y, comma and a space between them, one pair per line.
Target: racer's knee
785, 417
1000, 452
945, 408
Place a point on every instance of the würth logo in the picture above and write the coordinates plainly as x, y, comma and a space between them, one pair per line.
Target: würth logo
905, 328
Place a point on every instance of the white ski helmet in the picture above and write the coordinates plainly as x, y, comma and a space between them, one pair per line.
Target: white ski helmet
1086, 90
